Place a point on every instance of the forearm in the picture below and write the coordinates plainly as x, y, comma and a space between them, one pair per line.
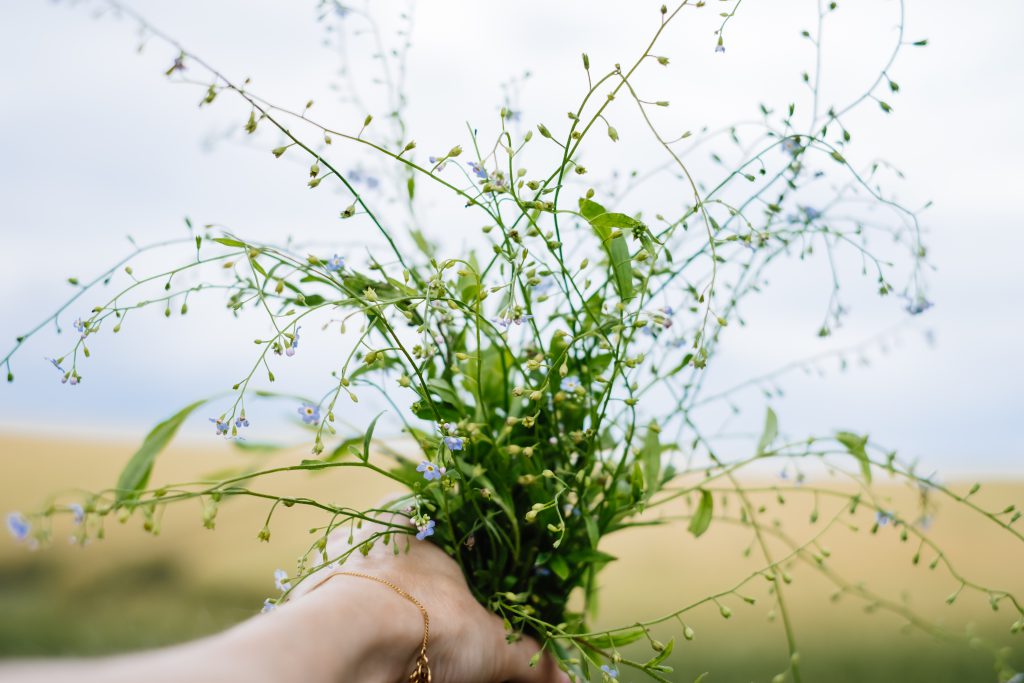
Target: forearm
340, 632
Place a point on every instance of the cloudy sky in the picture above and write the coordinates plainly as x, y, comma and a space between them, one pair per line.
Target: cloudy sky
99, 145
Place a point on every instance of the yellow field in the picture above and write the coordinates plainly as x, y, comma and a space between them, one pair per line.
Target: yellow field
661, 568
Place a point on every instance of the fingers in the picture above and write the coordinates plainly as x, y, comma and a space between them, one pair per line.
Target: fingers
517, 667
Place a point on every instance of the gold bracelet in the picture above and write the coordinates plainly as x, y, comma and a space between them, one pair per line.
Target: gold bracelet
421, 674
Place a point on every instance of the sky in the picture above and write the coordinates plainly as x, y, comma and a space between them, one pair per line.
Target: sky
100, 146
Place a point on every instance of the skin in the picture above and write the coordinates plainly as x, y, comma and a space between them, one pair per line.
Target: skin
336, 629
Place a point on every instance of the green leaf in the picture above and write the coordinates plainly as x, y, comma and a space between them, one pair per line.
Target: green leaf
228, 242
368, 437
771, 430
856, 445
136, 473
650, 455
445, 390
702, 517
592, 532
559, 566
619, 638
700, 678
618, 251
663, 655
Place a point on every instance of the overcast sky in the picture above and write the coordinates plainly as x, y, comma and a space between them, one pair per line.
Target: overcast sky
98, 145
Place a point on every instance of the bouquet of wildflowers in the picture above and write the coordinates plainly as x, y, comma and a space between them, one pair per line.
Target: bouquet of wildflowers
546, 382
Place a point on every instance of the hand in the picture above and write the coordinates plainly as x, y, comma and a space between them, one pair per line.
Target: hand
467, 642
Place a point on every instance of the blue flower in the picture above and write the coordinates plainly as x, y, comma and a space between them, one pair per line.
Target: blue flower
290, 350
505, 322
56, 364
357, 175
546, 285
918, 305
882, 517
310, 413
454, 443
791, 146
281, 580
79, 326
478, 170
426, 528
610, 671
430, 470
241, 421
718, 48
18, 525
78, 511
811, 213
221, 425
571, 383
335, 263
268, 606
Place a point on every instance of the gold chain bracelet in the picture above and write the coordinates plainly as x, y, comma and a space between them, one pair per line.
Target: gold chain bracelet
421, 674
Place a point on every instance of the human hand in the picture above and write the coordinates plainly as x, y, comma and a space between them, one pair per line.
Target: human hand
467, 642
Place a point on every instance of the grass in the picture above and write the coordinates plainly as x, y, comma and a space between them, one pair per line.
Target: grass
134, 590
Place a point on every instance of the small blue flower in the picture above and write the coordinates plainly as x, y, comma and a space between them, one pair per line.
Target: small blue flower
882, 517
18, 525
720, 48
241, 421
79, 326
811, 213
791, 145
335, 263
478, 170
290, 351
505, 322
454, 443
570, 383
268, 606
918, 305
281, 580
55, 363
78, 511
221, 425
357, 175
546, 285
426, 528
610, 671
310, 413
430, 470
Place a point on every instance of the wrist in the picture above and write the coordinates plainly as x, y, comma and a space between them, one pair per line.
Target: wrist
382, 630
347, 629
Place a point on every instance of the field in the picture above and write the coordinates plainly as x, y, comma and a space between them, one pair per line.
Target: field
135, 590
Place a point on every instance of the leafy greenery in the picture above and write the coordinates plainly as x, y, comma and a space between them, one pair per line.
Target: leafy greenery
547, 382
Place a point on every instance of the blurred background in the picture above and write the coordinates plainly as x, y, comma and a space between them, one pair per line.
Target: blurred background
100, 146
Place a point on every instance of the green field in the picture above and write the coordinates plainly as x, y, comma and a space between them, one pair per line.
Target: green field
135, 590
